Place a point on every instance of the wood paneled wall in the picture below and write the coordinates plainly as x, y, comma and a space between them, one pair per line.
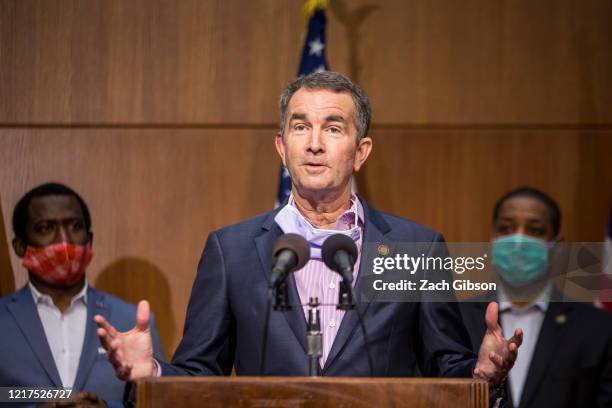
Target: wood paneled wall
451, 179
162, 114
225, 61
7, 279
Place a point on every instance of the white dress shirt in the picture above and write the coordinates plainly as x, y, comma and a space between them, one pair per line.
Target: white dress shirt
65, 332
529, 318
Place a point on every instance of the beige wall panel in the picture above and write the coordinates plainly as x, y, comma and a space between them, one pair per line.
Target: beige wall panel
146, 61
154, 196
422, 61
482, 62
450, 180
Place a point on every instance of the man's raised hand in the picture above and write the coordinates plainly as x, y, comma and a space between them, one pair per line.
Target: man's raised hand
131, 352
497, 355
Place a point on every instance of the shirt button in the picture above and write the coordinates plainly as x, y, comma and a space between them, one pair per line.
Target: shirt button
332, 285
63, 350
332, 323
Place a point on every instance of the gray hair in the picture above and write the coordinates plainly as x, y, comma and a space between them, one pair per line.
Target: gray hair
332, 81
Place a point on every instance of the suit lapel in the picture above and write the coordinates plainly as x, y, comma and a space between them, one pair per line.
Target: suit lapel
551, 333
95, 305
264, 243
374, 229
26, 316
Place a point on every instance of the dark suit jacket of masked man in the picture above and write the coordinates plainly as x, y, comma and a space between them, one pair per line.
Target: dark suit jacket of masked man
572, 360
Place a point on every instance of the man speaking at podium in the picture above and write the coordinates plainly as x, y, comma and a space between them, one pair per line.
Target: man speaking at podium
322, 142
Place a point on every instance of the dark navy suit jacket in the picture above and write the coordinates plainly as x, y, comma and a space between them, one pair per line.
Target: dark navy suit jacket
25, 356
572, 362
226, 313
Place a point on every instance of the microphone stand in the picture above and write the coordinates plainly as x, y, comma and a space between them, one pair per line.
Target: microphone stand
314, 339
281, 297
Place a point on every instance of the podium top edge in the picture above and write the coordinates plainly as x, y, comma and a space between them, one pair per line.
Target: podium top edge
302, 379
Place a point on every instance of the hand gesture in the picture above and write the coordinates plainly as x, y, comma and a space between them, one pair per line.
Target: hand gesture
131, 352
497, 355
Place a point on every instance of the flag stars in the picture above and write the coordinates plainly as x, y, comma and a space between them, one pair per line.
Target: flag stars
316, 47
320, 68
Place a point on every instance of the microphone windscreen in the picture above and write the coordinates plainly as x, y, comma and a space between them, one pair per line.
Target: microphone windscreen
295, 243
334, 244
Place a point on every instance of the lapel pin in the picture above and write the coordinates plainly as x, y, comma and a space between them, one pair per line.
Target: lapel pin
100, 304
383, 250
560, 319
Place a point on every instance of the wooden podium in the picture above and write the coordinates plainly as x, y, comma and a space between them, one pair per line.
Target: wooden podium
311, 392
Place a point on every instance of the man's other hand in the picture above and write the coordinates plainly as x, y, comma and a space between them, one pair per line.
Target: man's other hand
131, 352
497, 355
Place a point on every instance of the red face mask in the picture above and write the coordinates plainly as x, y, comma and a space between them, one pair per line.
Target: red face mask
61, 265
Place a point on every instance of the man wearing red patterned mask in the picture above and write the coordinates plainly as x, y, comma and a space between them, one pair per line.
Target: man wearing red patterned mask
48, 333
55, 244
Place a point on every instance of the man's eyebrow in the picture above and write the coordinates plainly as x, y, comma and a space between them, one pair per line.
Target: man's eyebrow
61, 220
298, 116
536, 221
335, 118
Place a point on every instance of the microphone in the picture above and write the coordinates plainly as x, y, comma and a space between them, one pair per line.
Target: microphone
340, 254
290, 253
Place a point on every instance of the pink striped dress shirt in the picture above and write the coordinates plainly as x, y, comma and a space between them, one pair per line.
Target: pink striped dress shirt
317, 280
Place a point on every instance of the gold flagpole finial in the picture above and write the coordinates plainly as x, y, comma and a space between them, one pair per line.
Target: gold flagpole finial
311, 5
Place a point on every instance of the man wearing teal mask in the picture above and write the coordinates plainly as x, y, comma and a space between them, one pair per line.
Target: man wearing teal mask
566, 356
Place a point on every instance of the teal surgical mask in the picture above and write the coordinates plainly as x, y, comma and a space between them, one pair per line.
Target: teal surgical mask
520, 259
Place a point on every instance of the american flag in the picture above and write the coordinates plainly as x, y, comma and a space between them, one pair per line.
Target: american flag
313, 60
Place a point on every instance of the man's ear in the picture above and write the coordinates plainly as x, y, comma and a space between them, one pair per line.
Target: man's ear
363, 151
19, 246
279, 143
